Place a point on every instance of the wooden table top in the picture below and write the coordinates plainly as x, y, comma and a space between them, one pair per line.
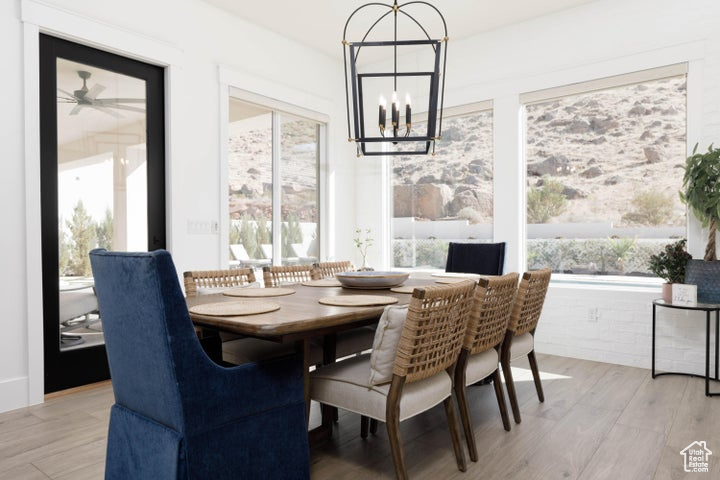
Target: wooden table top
300, 314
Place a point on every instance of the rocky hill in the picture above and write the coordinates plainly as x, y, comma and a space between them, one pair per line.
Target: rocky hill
606, 148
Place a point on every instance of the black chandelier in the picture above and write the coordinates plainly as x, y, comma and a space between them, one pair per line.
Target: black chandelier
369, 82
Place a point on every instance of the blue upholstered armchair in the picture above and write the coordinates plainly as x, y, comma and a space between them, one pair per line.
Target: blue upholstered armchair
177, 414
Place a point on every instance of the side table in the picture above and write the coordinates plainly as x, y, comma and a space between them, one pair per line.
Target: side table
702, 307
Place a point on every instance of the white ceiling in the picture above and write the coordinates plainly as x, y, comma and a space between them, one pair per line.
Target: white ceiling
319, 23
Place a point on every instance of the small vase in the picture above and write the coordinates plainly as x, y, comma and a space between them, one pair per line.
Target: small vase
667, 292
364, 267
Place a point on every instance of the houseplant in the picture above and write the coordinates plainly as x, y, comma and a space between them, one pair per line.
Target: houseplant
669, 265
363, 241
701, 192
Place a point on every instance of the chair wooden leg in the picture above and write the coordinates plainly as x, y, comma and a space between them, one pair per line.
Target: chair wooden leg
326, 412
364, 426
373, 426
536, 376
455, 434
497, 383
510, 385
393, 429
461, 395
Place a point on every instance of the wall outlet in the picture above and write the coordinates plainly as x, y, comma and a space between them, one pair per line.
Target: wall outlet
593, 315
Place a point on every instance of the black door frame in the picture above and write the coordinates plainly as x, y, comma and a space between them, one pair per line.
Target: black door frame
86, 365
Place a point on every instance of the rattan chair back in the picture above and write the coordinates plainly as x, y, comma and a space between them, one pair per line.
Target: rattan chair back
434, 330
329, 269
236, 277
529, 301
276, 276
492, 306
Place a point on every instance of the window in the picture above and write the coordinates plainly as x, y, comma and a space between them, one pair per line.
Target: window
603, 170
269, 148
445, 197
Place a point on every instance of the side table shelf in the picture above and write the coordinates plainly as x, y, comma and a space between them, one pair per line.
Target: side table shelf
701, 307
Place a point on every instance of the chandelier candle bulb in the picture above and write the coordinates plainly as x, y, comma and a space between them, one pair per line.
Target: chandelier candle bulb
408, 110
382, 112
395, 111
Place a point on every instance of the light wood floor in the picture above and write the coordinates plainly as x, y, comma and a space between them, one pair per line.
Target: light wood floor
599, 421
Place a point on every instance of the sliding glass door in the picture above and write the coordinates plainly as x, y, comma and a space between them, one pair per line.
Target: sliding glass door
273, 165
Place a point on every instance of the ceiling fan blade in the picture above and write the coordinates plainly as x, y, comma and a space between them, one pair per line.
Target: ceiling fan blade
94, 91
106, 111
124, 107
68, 94
76, 109
104, 101
66, 100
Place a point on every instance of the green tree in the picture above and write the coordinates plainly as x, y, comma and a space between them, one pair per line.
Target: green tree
248, 236
63, 250
263, 234
620, 248
82, 239
291, 233
650, 208
546, 201
104, 231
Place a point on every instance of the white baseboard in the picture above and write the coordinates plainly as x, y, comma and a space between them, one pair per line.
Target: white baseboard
13, 394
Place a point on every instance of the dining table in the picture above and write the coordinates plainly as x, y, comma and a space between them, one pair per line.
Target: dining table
301, 318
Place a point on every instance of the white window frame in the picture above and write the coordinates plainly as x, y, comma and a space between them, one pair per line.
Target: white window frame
448, 112
589, 86
229, 81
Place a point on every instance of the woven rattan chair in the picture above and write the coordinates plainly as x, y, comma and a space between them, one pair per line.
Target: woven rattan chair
329, 269
480, 354
212, 281
235, 349
520, 336
431, 335
276, 276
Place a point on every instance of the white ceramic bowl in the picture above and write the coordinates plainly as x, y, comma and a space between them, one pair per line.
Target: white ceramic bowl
371, 279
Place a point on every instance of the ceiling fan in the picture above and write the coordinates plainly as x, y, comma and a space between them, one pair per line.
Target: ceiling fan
87, 97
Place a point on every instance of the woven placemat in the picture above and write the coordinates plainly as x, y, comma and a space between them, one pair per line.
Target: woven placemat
259, 292
234, 308
406, 288
323, 282
358, 300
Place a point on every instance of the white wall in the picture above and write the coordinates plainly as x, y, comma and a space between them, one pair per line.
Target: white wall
600, 39
193, 40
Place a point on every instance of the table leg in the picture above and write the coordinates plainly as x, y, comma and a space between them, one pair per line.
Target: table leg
717, 340
329, 414
653, 344
303, 346
707, 353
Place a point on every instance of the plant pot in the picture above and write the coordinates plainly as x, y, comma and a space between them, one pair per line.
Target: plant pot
706, 275
667, 292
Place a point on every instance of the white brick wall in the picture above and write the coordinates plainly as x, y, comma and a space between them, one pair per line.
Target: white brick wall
623, 330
